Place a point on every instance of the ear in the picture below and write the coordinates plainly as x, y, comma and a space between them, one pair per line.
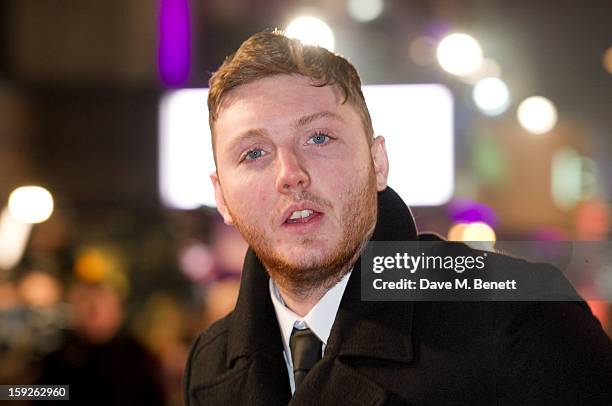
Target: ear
381, 162
220, 199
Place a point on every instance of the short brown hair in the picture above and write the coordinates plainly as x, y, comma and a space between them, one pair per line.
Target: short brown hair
271, 53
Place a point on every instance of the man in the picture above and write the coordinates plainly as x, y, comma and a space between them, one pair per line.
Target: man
304, 180
98, 356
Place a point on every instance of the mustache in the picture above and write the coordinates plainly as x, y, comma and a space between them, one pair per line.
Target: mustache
304, 196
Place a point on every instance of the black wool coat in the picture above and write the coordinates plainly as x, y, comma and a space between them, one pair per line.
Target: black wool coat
406, 353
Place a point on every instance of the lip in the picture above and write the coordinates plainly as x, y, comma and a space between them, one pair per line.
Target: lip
300, 206
309, 227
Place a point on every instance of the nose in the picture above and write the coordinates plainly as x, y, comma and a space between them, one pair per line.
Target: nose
292, 175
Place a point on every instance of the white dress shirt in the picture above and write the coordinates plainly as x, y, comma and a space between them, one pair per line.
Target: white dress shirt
320, 319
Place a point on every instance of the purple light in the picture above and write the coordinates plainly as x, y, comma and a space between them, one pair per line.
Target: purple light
174, 42
549, 234
469, 211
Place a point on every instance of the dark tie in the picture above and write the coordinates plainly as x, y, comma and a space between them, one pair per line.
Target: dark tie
305, 352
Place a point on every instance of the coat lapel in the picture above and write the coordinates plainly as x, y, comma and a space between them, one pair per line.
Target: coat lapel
371, 329
333, 382
254, 340
260, 380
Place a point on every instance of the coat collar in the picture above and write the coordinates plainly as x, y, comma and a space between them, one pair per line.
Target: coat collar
359, 325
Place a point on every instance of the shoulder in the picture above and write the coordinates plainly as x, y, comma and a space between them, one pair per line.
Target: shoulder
550, 351
553, 350
207, 358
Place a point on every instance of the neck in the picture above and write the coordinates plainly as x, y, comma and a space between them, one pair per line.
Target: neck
300, 303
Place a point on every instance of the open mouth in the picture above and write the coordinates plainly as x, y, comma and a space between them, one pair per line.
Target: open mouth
302, 216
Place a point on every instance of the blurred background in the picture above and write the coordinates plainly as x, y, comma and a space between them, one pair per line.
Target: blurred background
101, 279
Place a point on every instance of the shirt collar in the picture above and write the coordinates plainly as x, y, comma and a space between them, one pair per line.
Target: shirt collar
320, 319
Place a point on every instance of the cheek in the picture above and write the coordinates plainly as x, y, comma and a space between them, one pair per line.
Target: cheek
338, 178
248, 199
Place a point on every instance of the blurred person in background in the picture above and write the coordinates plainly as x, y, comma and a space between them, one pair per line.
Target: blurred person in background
214, 264
101, 362
31, 318
228, 249
302, 177
164, 325
15, 349
220, 299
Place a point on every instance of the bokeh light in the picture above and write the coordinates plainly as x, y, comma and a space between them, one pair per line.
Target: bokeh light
607, 60
478, 235
592, 219
548, 234
365, 10
566, 178
537, 115
311, 31
30, 204
459, 54
102, 265
467, 211
489, 160
197, 262
39, 289
478, 231
455, 233
423, 51
491, 96
92, 266
174, 41
14, 236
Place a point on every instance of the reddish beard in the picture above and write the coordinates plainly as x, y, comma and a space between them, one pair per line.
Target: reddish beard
319, 274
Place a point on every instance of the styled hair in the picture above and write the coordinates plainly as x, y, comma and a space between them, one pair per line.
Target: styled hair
271, 53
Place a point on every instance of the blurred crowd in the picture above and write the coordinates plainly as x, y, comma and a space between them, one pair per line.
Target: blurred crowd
116, 317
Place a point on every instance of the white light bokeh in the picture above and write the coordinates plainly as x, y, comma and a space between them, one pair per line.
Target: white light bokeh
30, 204
185, 150
459, 54
14, 236
416, 121
478, 231
537, 115
480, 236
311, 31
491, 96
455, 233
365, 10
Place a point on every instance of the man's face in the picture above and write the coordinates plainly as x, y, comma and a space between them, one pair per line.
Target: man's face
296, 175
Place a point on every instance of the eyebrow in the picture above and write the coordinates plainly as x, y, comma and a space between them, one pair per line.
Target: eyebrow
248, 135
305, 120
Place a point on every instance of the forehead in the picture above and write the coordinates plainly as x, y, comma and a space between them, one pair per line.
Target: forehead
275, 101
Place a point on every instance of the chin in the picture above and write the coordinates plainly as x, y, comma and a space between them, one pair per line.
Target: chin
308, 247
305, 256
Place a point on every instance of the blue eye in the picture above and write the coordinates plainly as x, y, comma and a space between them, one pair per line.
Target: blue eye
319, 139
253, 154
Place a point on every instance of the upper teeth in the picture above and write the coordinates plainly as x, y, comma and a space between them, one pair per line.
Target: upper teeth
300, 214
